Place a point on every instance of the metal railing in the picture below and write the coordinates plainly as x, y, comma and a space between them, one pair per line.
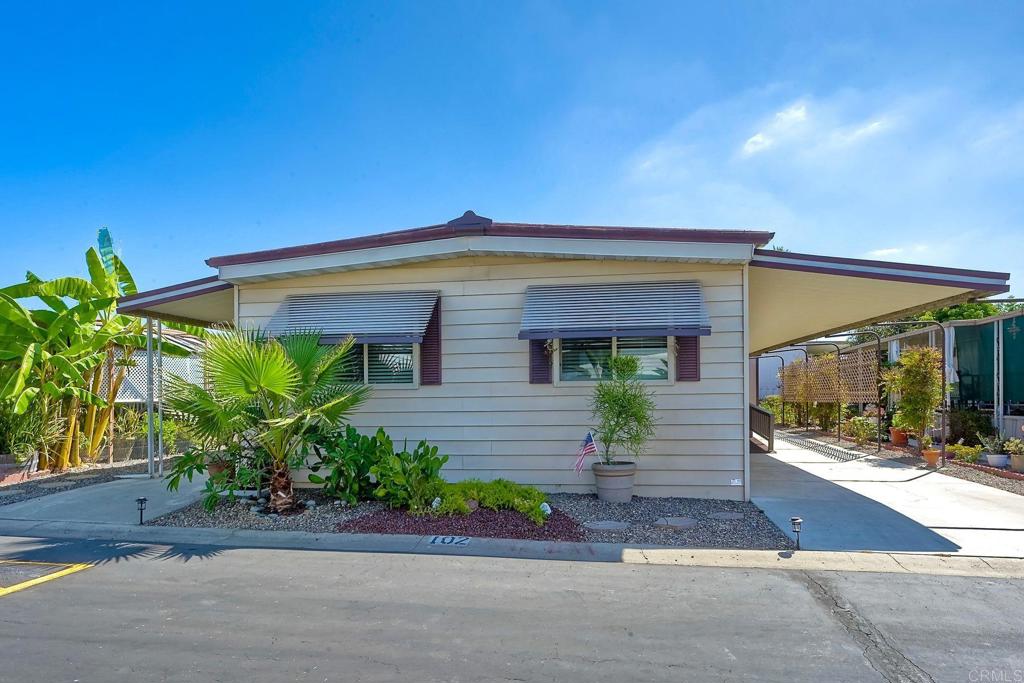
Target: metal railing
762, 423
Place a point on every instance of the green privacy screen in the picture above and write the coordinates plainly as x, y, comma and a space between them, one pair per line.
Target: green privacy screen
1013, 362
975, 362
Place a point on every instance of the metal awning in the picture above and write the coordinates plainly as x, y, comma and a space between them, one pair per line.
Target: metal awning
639, 309
370, 317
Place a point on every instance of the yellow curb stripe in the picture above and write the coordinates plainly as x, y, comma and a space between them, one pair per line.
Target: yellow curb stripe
69, 569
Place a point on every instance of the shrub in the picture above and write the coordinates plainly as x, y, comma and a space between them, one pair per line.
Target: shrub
171, 429
624, 410
860, 429
499, 494
917, 378
824, 414
1014, 447
345, 456
965, 425
404, 479
774, 405
992, 443
959, 451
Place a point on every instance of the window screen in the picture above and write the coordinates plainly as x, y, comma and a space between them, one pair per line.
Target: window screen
389, 364
585, 359
652, 352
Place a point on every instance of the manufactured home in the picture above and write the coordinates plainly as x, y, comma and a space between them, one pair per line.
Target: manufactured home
486, 338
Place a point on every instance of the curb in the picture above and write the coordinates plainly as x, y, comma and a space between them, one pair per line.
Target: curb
803, 560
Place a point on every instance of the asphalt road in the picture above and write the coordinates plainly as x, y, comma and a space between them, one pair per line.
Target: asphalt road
157, 613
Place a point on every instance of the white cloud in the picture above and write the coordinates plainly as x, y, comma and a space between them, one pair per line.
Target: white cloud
882, 253
784, 124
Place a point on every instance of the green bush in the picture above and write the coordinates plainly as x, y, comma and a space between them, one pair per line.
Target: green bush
824, 414
965, 425
860, 429
404, 479
499, 494
345, 456
774, 405
959, 451
623, 407
1013, 447
171, 429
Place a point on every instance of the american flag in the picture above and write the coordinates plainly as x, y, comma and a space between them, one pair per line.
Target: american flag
587, 447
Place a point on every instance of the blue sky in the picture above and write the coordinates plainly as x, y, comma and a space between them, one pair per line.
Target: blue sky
885, 130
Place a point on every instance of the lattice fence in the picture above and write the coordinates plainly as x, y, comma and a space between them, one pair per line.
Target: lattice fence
854, 379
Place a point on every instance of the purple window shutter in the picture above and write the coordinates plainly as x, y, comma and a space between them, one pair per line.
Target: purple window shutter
687, 359
540, 362
430, 349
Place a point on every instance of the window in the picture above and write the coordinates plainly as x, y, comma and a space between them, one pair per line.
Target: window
382, 364
588, 359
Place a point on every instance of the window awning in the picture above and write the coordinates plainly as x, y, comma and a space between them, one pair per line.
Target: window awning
643, 309
370, 317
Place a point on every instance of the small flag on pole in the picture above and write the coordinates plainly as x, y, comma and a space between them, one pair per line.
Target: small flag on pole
587, 447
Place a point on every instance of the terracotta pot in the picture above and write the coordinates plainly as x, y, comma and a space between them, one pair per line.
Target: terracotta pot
1017, 463
931, 456
217, 466
615, 481
897, 436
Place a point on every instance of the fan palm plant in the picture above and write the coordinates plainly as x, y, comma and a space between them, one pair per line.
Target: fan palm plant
268, 394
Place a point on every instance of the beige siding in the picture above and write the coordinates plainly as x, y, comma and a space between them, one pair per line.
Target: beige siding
494, 423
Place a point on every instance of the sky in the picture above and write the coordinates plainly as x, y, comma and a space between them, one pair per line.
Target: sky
890, 130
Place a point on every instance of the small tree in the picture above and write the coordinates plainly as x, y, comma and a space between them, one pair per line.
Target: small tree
624, 410
917, 379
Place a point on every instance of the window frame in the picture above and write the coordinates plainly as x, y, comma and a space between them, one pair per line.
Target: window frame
415, 384
556, 364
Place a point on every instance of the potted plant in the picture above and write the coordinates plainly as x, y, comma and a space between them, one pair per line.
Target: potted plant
624, 410
994, 452
1015, 449
898, 430
917, 379
930, 455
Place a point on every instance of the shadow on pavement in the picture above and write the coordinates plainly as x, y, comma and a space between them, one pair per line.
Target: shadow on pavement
834, 517
102, 552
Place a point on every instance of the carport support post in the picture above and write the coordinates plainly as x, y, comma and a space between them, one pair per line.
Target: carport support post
878, 378
149, 396
160, 392
783, 395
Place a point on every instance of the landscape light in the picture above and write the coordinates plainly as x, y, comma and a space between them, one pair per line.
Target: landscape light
796, 522
141, 502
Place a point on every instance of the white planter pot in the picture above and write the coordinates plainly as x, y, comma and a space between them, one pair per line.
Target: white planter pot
615, 481
997, 459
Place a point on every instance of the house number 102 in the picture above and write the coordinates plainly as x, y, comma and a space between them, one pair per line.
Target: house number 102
449, 540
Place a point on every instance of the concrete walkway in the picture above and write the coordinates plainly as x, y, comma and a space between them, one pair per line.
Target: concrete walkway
109, 503
880, 505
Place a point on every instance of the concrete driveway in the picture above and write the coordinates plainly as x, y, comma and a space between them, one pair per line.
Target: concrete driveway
876, 504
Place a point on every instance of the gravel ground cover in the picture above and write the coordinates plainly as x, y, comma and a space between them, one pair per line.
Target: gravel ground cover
979, 477
719, 523
87, 475
483, 523
322, 517
753, 530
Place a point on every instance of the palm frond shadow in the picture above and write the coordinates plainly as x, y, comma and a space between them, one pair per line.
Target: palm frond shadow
104, 552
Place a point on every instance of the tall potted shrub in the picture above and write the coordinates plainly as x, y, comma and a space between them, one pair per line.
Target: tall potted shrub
624, 411
917, 379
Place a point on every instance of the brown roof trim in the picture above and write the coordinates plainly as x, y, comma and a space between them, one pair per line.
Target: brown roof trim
124, 306
882, 264
944, 282
168, 288
471, 224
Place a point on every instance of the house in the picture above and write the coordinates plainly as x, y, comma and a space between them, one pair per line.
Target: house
485, 338
985, 364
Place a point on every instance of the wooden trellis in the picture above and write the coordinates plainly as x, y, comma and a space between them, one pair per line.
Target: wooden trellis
820, 379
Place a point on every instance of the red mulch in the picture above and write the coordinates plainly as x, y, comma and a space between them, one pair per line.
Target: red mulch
482, 523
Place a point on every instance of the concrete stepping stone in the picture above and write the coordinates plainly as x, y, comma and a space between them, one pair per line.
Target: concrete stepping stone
676, 522
606, 525
730, 516
10, 492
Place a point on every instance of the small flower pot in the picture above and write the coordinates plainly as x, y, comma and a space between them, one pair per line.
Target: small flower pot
997, 459
614, 481
1017, 463
931, 456
897, 436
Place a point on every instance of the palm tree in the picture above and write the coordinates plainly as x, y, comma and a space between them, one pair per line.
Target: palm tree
268, 394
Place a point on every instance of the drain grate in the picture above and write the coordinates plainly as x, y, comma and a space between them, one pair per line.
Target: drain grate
828, 450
